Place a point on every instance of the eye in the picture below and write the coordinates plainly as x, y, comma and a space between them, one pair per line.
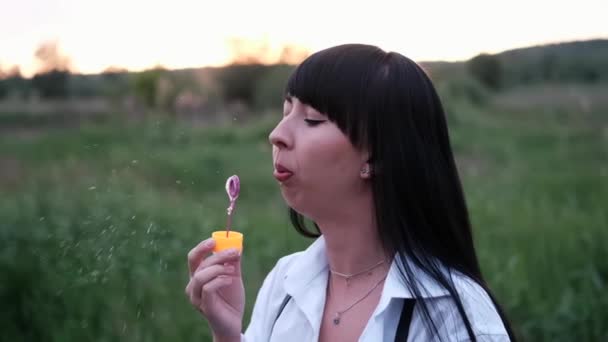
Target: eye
310, 122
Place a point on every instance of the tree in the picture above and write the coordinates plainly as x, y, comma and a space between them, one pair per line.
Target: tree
13, 84
51, 84
486, 69
53, 76
146, 85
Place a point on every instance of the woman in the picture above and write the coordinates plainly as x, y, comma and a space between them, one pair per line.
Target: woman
362, 151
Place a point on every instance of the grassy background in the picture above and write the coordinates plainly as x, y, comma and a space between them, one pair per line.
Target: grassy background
96, 221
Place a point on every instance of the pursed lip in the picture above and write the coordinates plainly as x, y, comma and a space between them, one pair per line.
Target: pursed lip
281, 173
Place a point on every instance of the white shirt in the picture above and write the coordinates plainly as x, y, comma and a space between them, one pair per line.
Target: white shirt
304, 276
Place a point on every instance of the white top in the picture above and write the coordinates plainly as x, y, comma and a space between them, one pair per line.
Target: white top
304, 276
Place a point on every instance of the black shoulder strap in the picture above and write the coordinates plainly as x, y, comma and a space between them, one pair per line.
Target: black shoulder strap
403, 329
283, 305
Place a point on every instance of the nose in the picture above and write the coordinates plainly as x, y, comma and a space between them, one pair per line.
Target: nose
280, 136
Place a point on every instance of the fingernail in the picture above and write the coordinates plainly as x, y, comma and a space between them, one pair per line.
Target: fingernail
232, 252
208, 242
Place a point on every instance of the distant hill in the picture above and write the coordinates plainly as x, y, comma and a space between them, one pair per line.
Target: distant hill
577, 61
596, 49
583, 61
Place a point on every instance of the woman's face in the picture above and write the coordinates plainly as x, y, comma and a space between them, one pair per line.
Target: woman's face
315, 163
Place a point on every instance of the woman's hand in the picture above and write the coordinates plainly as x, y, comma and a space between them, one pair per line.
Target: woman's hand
216, 289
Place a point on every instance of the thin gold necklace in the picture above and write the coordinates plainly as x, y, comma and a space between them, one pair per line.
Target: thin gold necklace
338, 315
347, 277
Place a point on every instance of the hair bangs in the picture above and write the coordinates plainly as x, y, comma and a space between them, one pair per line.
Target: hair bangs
336, 82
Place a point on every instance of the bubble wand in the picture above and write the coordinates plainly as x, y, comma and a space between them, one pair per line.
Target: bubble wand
225, 239
233, 187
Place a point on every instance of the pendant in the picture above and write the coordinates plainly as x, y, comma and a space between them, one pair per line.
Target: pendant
337, 319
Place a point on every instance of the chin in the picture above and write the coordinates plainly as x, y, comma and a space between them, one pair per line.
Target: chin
290, 198
294, 201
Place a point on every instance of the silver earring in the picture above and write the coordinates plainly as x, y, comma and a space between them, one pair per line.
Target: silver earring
365, 170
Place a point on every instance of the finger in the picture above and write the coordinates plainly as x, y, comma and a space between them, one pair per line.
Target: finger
197, 253
225, 256
189, 287
191, 293
195, 296
211, 287
205, 275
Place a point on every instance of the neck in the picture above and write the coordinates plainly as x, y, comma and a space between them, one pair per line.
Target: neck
351, 237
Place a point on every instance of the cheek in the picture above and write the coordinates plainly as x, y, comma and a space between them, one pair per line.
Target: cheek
325, 172
330, 158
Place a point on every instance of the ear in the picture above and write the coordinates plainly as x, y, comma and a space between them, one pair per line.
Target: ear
365, 156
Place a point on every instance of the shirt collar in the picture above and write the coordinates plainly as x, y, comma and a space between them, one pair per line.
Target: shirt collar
306, 267
312, 263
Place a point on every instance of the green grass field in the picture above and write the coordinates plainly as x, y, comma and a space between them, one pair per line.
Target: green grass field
96, 222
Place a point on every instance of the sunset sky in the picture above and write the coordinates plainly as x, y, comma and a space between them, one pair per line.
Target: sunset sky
180, 33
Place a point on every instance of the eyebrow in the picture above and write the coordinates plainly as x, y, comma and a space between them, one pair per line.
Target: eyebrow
288, 97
